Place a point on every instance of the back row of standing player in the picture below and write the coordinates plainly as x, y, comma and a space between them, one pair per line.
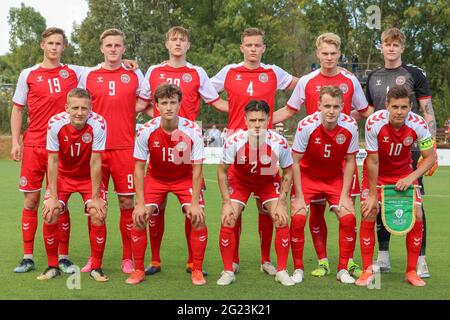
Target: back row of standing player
114, 89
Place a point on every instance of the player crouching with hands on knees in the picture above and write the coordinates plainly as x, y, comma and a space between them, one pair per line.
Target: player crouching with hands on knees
390, 135
75, 140
250, 164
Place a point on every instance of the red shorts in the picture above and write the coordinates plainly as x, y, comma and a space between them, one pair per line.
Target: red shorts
365, 189
68, 186
265, 192
119, 164
157, 190
315, 189
34, 167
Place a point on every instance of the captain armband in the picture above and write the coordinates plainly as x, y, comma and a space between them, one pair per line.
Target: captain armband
426, 144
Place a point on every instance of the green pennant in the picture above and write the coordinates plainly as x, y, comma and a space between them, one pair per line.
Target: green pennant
398, 209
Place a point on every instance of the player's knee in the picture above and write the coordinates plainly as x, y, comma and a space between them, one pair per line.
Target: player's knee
96, 219
31, 201
200, 226
126, 202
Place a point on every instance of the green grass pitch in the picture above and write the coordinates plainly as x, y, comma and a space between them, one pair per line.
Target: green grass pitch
174, 283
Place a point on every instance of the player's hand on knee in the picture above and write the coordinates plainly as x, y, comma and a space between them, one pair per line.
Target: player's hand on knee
51, 210
280, 217
370, 207
229, 217
195, 214
140, 215
345, 205
98, 206
298, 205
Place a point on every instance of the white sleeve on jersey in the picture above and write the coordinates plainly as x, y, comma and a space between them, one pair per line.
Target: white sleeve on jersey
353, 147
284, 78
79, 70
301, 138
82, 80
228, 151
206, 90
359, 101
54, 126
198, 150
145, 91
21, 94
371, 135
99, 130
140, 76
297, 98
141, 150
218, 80
285, 157
418, 124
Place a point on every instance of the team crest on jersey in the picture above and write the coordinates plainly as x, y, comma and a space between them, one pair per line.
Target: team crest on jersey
265, 159
408, 141
230, 190
186, 77
87, 138
263, 77
365, 194
343, 87
400, 80
64, 74
182, 146
125, 78
23, 181
340, 139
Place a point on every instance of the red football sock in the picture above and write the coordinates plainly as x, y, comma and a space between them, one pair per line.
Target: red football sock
89, 225
297, 233
367, 242
138, 247
413, 245
318, 228
227, 243
265, 229
29, 227
98, 240
50, 232
64, 233
198, 240
187, 233
347, 237
126, 224
156, 231
282, 246
237, 236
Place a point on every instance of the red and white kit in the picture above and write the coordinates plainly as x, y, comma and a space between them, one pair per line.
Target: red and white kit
44, 91
170, 159
192, 80
324, 151
74, 148
393, 147
114, 94
243, 85
255, 169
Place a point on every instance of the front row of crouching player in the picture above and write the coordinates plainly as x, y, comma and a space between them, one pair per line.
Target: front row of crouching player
320, 167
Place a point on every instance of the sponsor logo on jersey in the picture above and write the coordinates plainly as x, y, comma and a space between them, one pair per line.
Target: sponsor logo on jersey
156, 144
186, 77
23, 181
162, 76
340, 139
266, 159
318, 88
378, 82
385, 139
64, 74
238, 77
230, 190
125, 78
263, 77
400, 80
408, 141
317, 141
182, 146
343, 87
87, 138
99, 79
40, 78
365, 194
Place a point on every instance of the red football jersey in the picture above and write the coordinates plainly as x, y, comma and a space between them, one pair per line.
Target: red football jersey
192, 80
74, 147
323, 149
45, 92
171, 155
243, 85
394, 146
114, 94
307, 92
256, 166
